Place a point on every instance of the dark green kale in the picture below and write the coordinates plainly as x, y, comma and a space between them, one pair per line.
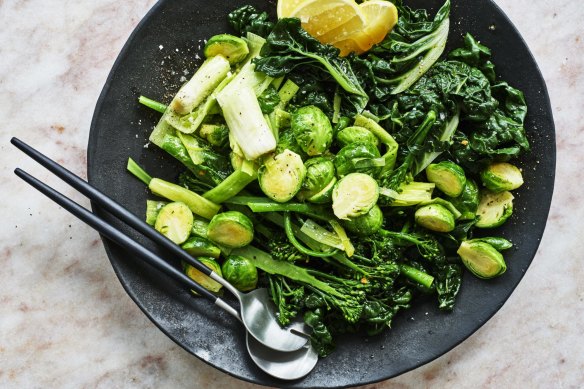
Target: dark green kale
269, 100
248, 19
288, 46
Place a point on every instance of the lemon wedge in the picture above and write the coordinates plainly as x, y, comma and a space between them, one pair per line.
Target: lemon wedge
343, 23
381, 17
318, 17
286, 7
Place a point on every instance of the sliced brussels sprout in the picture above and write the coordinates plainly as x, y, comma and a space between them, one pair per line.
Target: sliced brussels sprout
354, 195
281, 176
153, 208
482, 259
175, 221
358, 158
435, 217
468, 201
312, 129
230, 229
201, 247
494, 208
240, 272
234, 49
448, 177
202, 279
319, 182
354, 134
502, 176
367, 224
446, 204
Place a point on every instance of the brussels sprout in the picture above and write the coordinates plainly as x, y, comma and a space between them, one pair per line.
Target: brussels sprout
199, 246
216, 134
240, 273
231, 229
468, 201
502, 176
319, 182
201, 278
234, 49
312, 130
446, 204
175, 221
448, 177
281, 176
367, 224
494, 208
435, 217
481, 259
354, 195
354, 134
358, 158
153, 208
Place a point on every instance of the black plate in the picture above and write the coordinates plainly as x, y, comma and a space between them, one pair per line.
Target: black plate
152, 63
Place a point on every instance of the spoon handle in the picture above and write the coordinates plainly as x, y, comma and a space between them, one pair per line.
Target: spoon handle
110, 205
121, 238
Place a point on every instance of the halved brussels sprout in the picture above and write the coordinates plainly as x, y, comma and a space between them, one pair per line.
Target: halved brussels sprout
201, 247
358, 158
312, 129
448, 177
175, 221
468, 201
202, 279
446, 204
153, 208
281, 176
240, 272
319, 182
502, 176
354, 195
354, 134
234, 49
481, 259
231, 229
494, 208
367, 224
435, 217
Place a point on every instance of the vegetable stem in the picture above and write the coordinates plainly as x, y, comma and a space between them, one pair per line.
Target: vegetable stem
153, 104
137, 171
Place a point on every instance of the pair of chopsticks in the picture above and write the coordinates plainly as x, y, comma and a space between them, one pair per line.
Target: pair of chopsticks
110, 231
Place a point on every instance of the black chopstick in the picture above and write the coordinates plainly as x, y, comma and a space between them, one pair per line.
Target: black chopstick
113, 233
109, 204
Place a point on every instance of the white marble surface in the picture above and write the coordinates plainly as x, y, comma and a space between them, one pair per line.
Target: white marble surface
65, 320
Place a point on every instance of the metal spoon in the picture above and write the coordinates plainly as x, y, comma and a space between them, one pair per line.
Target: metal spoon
257, 311
285, 366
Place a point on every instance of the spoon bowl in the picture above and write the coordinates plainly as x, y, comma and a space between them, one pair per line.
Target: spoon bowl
283, 365
258, 315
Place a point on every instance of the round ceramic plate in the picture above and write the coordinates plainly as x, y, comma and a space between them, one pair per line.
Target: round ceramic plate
164, 49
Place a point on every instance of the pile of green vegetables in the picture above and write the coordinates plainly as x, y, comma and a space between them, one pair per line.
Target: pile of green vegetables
346, 186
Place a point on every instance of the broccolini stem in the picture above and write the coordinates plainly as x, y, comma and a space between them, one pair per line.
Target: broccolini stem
298, 245
416, 275
155, 105
140, 173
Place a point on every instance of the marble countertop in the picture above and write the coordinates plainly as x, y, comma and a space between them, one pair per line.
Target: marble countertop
65, 320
